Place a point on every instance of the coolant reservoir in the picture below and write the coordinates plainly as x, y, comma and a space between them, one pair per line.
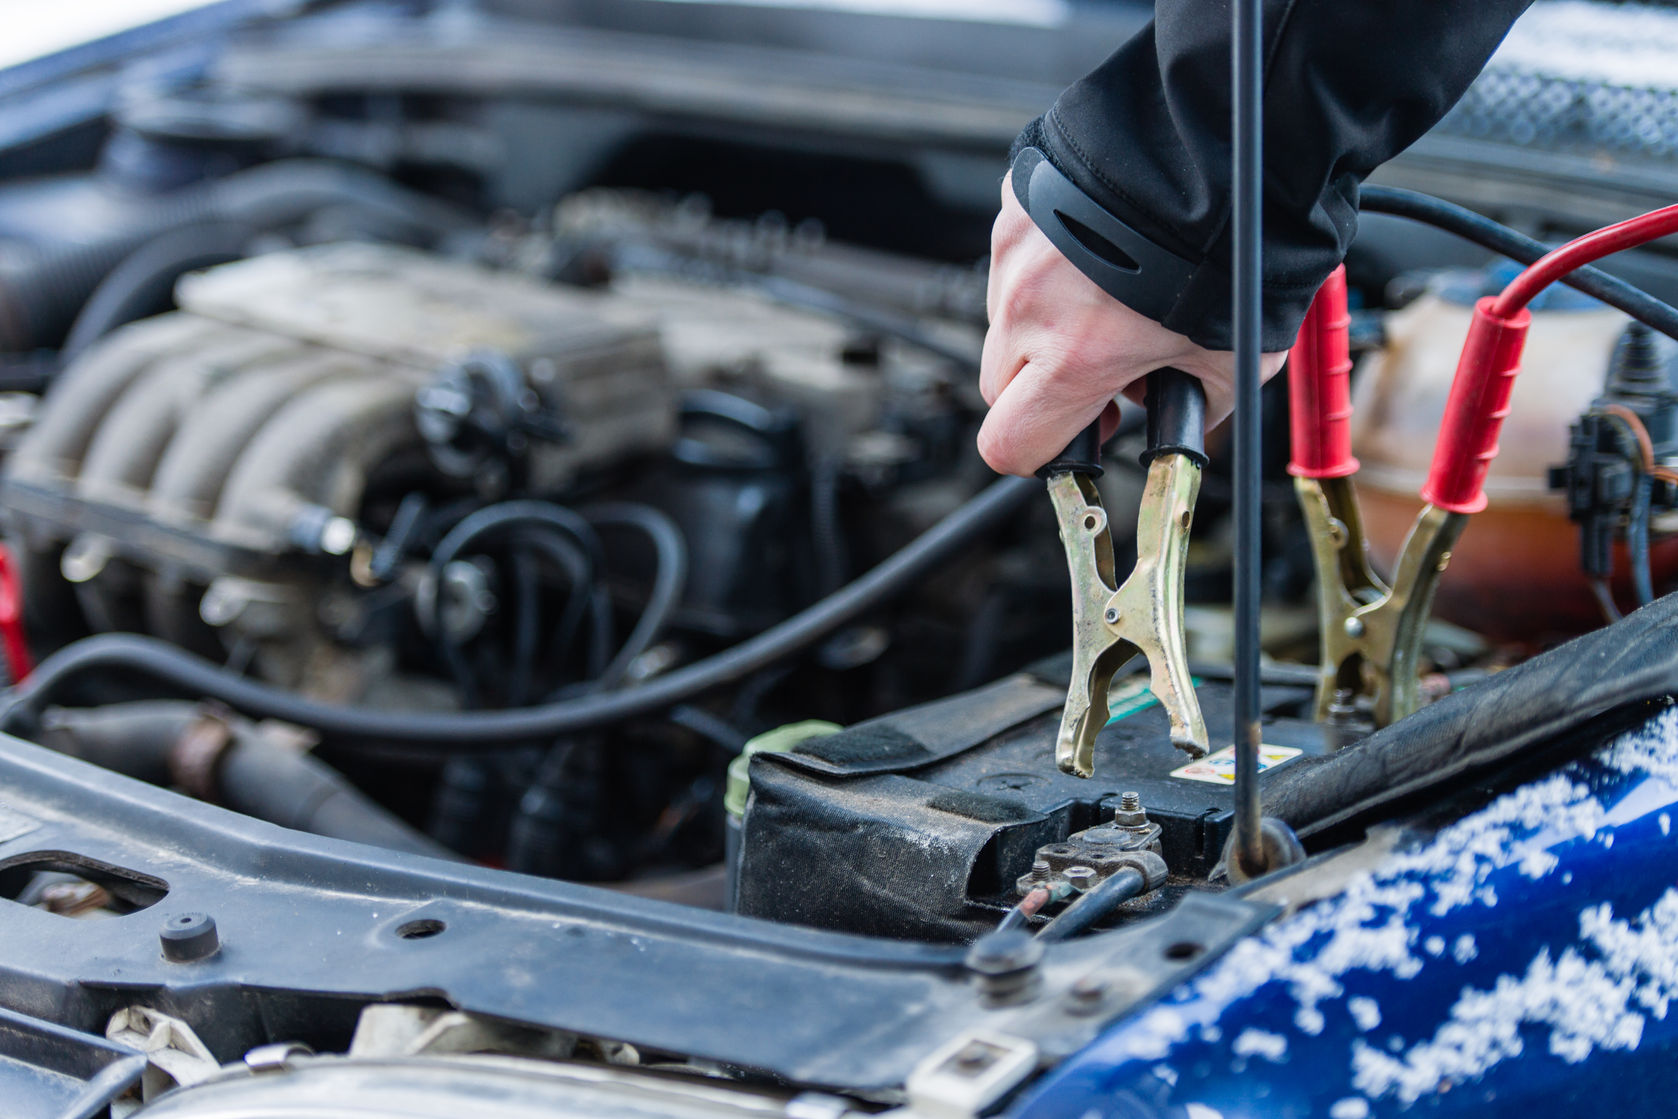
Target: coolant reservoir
1514, 576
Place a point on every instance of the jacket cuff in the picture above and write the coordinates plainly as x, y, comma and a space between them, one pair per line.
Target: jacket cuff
1196, 298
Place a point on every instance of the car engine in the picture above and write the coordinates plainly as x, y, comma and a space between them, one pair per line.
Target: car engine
455, 452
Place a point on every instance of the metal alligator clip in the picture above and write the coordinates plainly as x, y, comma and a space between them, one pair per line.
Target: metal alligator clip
1371, 631
1111, 623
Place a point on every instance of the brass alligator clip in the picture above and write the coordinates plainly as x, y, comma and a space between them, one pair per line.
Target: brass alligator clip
1112, 622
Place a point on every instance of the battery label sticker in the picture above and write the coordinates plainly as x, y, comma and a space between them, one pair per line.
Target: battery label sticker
1219, 768
1127, 697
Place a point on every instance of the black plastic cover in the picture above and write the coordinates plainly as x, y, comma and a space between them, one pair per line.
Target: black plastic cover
916, 824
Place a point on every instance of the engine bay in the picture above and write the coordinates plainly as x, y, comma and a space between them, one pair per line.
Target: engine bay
500, 599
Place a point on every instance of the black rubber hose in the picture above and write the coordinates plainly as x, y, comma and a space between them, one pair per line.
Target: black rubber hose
670, 577
827, 529
943, 543
714, 729
142, 284
1090, 908
41, 291
502, 518
1500, 239
286, 191
526, 626
587, 600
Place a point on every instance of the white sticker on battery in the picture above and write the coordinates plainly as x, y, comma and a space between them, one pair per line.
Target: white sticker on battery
1219, 768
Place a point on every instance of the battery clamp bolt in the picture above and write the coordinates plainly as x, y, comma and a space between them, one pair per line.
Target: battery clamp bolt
1129, 812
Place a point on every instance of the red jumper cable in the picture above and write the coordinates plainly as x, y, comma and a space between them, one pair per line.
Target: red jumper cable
1370, 631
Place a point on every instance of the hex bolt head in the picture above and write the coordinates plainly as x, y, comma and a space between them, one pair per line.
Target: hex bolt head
187, 937
1129, 813
1006, 965
1080, 878
1087, 994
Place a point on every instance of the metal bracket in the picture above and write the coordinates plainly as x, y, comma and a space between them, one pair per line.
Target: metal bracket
964, 1078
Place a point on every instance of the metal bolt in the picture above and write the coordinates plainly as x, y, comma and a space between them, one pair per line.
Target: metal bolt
1040, 868
338, 536
1129, 813
221, 605
1112, 616
1086, 994
1006, 965
1354, 627
84, 559
1080, 878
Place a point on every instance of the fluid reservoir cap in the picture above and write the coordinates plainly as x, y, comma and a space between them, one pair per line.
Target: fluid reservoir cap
778, 741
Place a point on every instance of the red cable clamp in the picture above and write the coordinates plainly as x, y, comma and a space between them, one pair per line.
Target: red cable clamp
1474, 412
1319, 386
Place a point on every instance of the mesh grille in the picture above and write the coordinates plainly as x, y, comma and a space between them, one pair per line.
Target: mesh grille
1582, 76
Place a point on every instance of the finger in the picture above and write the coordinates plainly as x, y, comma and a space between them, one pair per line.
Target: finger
1110, 417
999, 362
1034, 419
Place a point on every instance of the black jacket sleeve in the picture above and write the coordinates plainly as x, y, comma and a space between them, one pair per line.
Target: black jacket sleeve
1348, 85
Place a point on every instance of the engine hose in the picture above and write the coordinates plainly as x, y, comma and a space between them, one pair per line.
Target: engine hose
253, 774
575, 536
537, 837
447, 733
1488, 234
42, 292
669, 579
526, 626
142, 284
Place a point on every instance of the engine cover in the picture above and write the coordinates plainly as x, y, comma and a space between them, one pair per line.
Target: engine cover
204, 475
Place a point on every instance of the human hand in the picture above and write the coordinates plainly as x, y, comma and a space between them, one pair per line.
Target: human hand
1059, 350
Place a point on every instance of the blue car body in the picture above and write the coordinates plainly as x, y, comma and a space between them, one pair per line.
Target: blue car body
1521, 960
